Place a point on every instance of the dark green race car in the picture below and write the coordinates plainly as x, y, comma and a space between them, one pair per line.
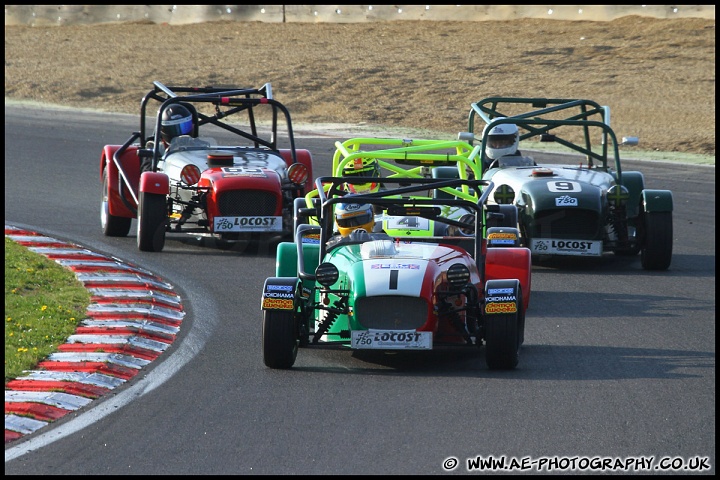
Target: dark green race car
567, 209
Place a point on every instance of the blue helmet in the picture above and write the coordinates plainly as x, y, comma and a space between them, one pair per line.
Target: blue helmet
176, 120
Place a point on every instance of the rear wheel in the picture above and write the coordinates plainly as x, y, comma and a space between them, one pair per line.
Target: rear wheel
657, 241
152, 218
279, 338
504, 333
112, 226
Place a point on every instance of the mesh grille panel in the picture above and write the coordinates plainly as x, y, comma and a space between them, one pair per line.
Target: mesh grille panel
238, 203
391, 312
575, 224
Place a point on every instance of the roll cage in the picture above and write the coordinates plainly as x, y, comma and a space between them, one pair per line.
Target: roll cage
536, 117
227, 102
408, 197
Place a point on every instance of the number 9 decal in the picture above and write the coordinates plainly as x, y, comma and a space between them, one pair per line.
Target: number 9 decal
564, 186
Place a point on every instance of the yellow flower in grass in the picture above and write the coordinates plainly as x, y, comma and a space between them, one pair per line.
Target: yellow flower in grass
44, 307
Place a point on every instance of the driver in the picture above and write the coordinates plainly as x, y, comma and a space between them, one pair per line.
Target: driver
176, 121
356, 223
502, 141
362, 167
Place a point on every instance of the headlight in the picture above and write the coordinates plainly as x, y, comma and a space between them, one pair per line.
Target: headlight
326, 274
190, 174
504, 194
297, 173
458, 276
617, 195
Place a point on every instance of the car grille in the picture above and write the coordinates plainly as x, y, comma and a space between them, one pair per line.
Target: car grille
391, 312
570, 223
238, 203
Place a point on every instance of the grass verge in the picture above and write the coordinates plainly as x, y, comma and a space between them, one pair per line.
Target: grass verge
44, 303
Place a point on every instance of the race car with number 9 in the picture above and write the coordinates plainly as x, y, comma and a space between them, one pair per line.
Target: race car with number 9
567, 209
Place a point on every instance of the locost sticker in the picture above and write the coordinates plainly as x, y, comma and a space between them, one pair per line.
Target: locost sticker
247, 224
549, 246
391, 340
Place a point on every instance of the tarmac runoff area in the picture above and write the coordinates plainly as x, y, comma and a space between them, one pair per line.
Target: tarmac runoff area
133, 317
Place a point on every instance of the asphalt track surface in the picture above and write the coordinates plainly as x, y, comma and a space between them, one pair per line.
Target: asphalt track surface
618, 363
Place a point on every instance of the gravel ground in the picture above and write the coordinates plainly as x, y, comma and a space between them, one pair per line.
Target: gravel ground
657, 75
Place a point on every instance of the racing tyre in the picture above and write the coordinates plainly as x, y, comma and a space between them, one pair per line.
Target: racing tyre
112, 226
152, 218
279, 338
657, 243
509, 217
504, 334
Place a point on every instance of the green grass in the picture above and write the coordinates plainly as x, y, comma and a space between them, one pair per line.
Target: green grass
44, 303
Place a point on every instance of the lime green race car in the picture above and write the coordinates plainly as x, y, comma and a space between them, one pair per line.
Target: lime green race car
367, 159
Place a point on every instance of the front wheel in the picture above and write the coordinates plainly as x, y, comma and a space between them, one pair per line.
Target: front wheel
279, 338
112, 226
504, 334
657, 241
152, 219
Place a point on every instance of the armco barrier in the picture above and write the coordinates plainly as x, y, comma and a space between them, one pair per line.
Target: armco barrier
59, 15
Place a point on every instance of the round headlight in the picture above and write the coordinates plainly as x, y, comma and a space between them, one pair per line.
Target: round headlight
190, 174
617, 195
458, 276
326, 274
298, 173
504, 194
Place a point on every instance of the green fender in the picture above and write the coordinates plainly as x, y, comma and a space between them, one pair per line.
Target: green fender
635, 183
657, 200
286, 258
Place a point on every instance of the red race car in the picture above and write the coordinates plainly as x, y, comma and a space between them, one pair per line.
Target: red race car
219, 162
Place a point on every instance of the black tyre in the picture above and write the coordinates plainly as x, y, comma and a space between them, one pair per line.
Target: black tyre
627, 252
152, 219
112, 226
508, 218
657, 241
279, 338
504, 334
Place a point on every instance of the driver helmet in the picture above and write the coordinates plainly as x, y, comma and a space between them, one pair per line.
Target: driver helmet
502, 140
362, 167
176, 120
353, 216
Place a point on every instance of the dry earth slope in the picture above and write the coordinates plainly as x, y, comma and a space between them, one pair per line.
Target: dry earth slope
658, 75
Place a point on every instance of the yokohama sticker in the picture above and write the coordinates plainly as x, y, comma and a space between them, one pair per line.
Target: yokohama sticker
503, 307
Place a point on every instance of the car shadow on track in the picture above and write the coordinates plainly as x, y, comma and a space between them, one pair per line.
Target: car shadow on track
537, 362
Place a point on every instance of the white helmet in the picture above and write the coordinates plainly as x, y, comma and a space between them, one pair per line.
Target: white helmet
502, 140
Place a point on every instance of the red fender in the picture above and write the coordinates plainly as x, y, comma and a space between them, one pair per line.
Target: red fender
155, 182
503, 263
130, 163
304, 157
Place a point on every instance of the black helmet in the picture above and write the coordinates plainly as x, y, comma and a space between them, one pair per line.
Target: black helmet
176, 120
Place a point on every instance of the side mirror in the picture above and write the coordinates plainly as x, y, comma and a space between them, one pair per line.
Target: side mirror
631, 141
468, 137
